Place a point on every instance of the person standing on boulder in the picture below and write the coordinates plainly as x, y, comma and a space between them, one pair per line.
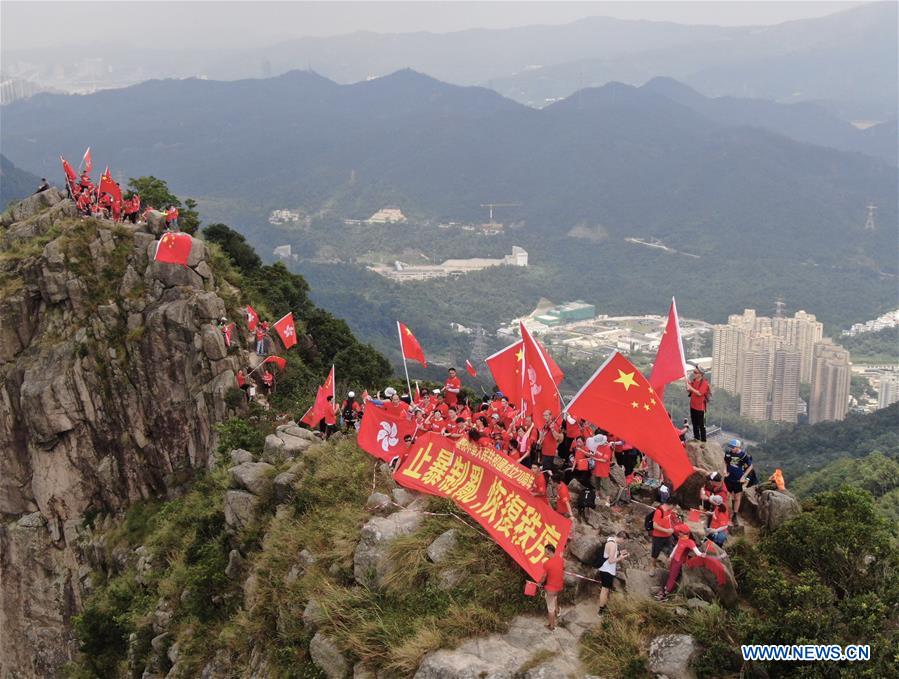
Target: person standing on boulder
662, 530
699, 391
739, 472
553, 582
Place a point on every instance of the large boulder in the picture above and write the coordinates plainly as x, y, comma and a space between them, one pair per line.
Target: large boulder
292, 429
240, 508
702, 583
707, 456
776, 507
283, 486
443, 544
670, 656
328, 657
255, 477
583, 546
370, 565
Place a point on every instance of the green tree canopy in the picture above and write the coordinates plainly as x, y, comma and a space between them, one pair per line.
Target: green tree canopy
155, 193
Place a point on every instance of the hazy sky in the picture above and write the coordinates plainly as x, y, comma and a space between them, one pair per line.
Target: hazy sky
213, 23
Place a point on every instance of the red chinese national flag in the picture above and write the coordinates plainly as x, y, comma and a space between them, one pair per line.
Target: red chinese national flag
252, 318
315, 414
382, 431
470, 369
409, 345
538, 389
174, 248
505, 366
670, 364
620, 400
71, 177
107, 185
287, 330
86, 161
277, 360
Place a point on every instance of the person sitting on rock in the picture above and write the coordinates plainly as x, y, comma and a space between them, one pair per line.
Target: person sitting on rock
44, 186
714, 485
719, 521
683, 549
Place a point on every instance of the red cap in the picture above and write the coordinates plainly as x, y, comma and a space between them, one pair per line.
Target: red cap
682, 529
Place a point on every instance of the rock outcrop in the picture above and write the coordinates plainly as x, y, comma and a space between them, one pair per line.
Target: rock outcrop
112, 376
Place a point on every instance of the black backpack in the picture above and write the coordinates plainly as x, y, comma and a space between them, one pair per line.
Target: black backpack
587, 499
647, 521
600, 557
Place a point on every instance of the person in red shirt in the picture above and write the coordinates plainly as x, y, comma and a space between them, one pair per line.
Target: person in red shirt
539, 487
699, 390
571, 430
553, 582
171, 217
451, 387
260, 340
549, 440
602, 466
582, 458
439, 404
269, 380
84, 203
328, 425
662, 530
684, 548
563, 497
719, 521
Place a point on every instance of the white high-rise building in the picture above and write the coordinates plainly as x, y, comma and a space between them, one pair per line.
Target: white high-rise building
888, 390
831, 376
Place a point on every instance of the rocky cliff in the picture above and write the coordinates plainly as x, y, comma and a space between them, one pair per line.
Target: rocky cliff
112, 375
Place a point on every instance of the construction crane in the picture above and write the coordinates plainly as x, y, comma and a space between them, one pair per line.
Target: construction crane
490, 207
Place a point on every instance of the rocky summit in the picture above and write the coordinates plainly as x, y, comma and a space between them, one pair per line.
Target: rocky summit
112, 375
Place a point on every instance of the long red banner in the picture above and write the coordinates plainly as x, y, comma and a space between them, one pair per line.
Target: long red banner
516, 520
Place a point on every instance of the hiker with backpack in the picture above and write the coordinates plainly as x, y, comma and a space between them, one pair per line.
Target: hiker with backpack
607, 560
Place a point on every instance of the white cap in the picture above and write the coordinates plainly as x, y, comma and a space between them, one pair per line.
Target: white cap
351, 394
436, 391
389, 391
595, 442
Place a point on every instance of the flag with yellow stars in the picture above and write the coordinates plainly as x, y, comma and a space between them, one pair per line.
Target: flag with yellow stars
620, 400
409, 345
505, 366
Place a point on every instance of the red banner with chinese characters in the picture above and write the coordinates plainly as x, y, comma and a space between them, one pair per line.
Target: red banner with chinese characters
516, 520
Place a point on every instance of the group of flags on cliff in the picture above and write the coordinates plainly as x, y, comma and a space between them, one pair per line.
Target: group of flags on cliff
617, 398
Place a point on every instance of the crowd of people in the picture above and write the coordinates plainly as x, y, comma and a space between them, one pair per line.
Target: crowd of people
563, 450
105, 201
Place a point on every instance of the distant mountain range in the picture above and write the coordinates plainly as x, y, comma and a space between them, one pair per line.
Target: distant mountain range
15, 183
845, 61
658, 161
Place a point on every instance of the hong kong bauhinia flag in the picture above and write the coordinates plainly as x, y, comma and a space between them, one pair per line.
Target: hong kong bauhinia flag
620, 400
252, 318
670, 364
409, 345
174, 248
382, 431
538, 389
287, 330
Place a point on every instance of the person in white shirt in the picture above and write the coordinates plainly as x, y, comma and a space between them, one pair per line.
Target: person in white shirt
608, 569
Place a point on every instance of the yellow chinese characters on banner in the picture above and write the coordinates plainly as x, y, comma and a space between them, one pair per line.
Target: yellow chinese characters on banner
516, 520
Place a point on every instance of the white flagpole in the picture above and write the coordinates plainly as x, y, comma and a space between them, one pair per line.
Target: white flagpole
399, 333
